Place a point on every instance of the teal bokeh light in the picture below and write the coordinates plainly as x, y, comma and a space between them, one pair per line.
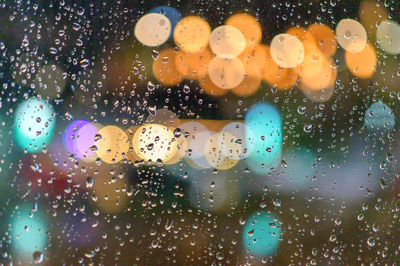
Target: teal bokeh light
34, 124
379, 117
28, 233
261, 234
263, 137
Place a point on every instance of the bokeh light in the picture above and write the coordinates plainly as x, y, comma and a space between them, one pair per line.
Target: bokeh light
85, 141
324, 37
318, 73
193, 65
191, 34
388, 37
28, 233
210, 88
214, 155
379, 117
226, 73
171, 13
70, 135
112, 144
362, 64
34, 124
227, 42
164, 68
153, 29
351, 35
287, 51
233, 141
261, 234
154, 142
263, 136
249, 26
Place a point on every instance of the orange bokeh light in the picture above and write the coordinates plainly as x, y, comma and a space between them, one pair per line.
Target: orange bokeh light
249, 26
324, 37
191, 34
164, 69
195, 65
362, 64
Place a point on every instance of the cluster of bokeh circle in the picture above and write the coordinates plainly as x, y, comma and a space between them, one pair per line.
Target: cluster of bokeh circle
232, 58
229, 58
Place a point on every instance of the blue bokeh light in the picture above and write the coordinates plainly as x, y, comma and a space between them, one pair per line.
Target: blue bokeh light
28, 232
34, 124
379, 117
263, 137
261, 234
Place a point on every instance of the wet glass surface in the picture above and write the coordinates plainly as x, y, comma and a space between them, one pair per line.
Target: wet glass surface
199, 132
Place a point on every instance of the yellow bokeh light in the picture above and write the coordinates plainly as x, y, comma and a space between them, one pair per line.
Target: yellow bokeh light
316, 76
153, 29
227, 42
191, 34
287, 50
312, 65
164, 68
226, 73
214, 155
112, 145
249, 27
362, 64
351, 35
154, 142
131, 154
232, 140
388, 37
181, 148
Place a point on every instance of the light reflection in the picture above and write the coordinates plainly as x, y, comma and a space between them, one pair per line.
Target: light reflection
388, 37
264, 137
227, 42
249, 26
191, 34
153, 29
112, 144
379, 117
28, 233
362, 64
351, 35
261, 234
34, 124
226, 73
287, 51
